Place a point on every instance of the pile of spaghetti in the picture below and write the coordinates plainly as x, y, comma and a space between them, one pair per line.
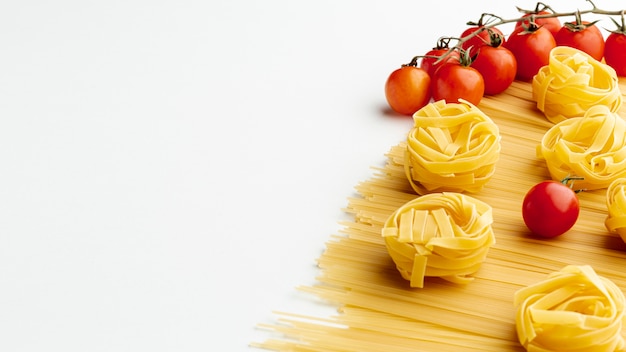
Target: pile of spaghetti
508, 295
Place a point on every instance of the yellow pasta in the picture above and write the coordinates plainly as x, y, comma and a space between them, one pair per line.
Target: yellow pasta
452, 147
592, 147
572, 310
445, 235
616, 205
371, 308
572, 83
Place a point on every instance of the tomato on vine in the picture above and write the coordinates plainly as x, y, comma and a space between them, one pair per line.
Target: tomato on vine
551, 208
431, 60
531, 47
496, 64
582, 35
473, 42
552, 24
452, 82
407, 89
615, 48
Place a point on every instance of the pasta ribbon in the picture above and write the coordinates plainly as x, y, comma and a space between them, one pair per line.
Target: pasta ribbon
573, 82
616, 204
445, 235
451, 147
572, 310
592, 147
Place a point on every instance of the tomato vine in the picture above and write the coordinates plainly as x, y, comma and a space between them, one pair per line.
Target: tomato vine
531, 15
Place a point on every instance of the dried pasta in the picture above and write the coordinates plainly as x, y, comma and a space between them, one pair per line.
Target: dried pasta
445, 235
452, 147
372, 308
572, 310
616, 205
592, 147
573, 82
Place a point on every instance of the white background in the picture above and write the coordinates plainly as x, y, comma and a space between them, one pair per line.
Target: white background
171, 170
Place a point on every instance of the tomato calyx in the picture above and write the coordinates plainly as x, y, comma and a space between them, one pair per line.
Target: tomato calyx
569, 181
485, 19
529, 27
621, 27
540, 7
495, 39
444, 43
578, 24
465, 58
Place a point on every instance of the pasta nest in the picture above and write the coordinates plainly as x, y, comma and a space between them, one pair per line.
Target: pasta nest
573, 82
572, 310
452, 147
616, 204
443, 235
592, 147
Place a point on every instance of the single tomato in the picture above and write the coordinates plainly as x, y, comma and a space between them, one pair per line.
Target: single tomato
531, 48
497, 65
583, 36
434, 58
478, 34
550, 208
407, 89
552, 24
615, 49
477, 41
458, 81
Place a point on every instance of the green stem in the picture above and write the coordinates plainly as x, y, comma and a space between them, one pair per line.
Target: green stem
594, 10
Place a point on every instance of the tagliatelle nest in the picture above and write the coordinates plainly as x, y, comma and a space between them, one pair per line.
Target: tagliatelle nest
572, 310
616, 204
445, 235
573, 82
592, 147
452, 147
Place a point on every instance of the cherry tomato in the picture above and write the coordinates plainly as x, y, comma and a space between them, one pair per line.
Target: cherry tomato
615, 49
531, 48
479, 40
550, 208
498, 67
552, 24
431, 65
453, 82
584, 36
408, 89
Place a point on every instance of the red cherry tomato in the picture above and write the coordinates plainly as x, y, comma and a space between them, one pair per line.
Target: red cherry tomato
550, 209
615, 49
498, 67
552, 24
431, 65
408, 89
453, 82
479, 40
531, 49
583, 36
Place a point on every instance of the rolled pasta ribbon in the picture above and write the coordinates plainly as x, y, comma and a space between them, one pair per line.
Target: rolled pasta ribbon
443, 235
616, 205
592, 147
572, 310
573, 82
452, 147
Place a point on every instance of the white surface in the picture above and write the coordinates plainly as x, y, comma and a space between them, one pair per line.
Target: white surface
172, 169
